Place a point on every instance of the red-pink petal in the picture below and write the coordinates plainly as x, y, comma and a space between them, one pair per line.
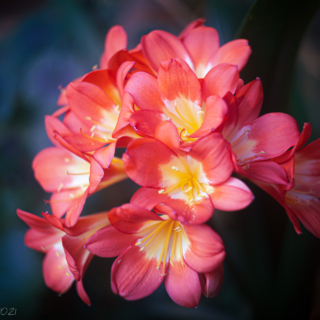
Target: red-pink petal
160, 45
108, 242
214, 154
206, 251
105, 155
183, 285
56, 273
192, 25
116, 40
219, 80
215, 114
176, 80
147, 198
142, 161
236, 52
134, 276
144, 90
211, 282
193, 213
231, 195
82, 293
202, 43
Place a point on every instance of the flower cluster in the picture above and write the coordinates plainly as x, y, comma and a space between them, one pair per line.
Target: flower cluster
188, 123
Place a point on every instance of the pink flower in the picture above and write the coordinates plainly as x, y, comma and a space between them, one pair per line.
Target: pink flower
190, 183
198, 46
71, 178
66, 259
156, 248
301, 197
195, 107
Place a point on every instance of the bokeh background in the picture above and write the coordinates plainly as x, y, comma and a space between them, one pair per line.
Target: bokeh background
270, 272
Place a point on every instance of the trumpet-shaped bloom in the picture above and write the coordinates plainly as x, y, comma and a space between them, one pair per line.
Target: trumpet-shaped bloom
196, 108
253, 138
157, 248
66, 259
301, 197
198, 46
190, 183
72, 178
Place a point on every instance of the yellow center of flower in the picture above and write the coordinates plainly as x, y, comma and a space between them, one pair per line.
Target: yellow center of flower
164, 240
186, 115
186, 180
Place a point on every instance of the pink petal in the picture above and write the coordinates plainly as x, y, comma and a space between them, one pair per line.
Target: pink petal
206, 251
121, 75
183, 285
134, 276
202, 43
215, 114
147, 198
145, 122
54, 125
168, 133
214, 154
219, 80
192, 25
176, 80
231, 195
108, 242
144, 90
142, 160
193, 213
116, 40
105, 155
73, 214
56, 273
82, 293
159, 45
236, 52
211, 282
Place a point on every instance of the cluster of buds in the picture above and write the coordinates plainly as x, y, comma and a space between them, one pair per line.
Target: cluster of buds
188, 122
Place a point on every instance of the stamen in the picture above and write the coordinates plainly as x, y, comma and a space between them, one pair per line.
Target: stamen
92, 128
66, 160
189, 189
237, 140
161, 191
173, 248
88, 118
76, 174
200, 112
95, 67
60, 187
175, 168
180, 245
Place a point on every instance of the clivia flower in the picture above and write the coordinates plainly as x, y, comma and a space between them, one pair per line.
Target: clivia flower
198, 46
72, 178
66, 259
188, 258
253, 138
191, 183
301, 197
195, 107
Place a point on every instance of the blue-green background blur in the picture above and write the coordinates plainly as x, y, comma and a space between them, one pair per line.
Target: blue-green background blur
270, 272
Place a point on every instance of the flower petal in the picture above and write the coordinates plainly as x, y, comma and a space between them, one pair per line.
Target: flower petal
105, 155
219, 80
183, 286
206, 251
231, 195
108, 242
144, 90
215, 114
211, 282
116, 40
236, 52
133, 275
160, 45
207, 39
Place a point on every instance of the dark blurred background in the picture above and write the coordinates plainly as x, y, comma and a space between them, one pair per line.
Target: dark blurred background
270, 272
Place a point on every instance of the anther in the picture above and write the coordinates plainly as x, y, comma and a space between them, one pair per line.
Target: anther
60, 187
200, 112
161, 191
67, 274
92, 128
189, 189
71, 195
175, 168
66, 160
95, 67
88, 118
142, 249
